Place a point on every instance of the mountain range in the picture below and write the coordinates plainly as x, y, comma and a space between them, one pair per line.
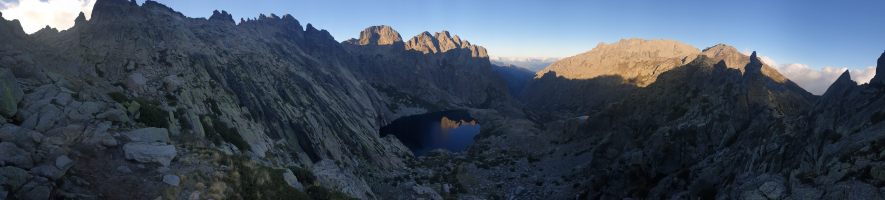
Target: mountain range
142, 102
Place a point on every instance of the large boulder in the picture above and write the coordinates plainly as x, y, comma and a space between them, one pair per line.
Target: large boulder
150, 152
292, 180
10, 93
135, 82
13, 177
148, 135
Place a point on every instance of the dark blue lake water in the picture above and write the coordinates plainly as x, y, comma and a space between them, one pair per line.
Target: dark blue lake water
452, 130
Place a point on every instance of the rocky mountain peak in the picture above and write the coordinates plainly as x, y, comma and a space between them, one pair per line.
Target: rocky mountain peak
221, 16
839, 87
10, 28
880, 69
110, 9
628, 58
442, 42
80, 19
732, 57
380, 35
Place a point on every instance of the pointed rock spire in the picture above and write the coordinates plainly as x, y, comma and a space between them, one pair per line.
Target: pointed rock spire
81, 19
841, 85
755, 64
878, 79
221, 16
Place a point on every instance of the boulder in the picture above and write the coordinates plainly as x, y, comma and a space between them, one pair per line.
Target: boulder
124, 169
11, 93
38, 188
113, 115
10, 153
148, 135
13, 177
171, 83
135, 82
150, 152
172, 180
772, 190
292, 180
48, 171
63, 162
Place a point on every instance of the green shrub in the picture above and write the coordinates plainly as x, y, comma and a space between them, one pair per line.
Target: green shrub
305, 176
218, 131
259, 182
151, 114
119, 97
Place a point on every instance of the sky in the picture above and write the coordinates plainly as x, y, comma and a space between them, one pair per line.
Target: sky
815, 40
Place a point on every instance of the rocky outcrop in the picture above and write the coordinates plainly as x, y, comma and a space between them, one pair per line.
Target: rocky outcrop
222, 16
879, 78
380, 35
427, 73
442, 42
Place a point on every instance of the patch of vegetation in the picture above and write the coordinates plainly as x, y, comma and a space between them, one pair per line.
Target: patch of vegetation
181, 114
304, 175
259, 182
119, 97
213, 106
322, 193
218, 131
151, 114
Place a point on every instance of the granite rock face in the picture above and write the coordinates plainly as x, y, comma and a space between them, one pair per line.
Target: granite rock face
142, 101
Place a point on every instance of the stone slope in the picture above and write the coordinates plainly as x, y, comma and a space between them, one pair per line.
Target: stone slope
266, 88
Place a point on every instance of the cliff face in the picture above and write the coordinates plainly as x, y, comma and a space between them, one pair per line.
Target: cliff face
427, 73
265, 88
141, 101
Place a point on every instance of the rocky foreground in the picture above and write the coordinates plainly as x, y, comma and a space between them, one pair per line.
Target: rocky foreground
142, 102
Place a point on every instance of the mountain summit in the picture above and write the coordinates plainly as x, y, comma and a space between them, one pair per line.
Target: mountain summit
380, 35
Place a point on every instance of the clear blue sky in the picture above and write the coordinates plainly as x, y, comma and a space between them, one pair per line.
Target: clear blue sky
818, 33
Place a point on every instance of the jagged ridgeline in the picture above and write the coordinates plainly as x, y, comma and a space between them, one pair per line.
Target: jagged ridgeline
265, 95
141, 102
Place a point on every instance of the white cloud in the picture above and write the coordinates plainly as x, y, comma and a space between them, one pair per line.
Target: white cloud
36, 14
815, 80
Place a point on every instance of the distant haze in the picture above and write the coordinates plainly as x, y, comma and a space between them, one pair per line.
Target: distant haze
533, 64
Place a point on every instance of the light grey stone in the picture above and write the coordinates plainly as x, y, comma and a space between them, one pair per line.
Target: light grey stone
172, 180
292, 180
150, 152
135, 82
148, 135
